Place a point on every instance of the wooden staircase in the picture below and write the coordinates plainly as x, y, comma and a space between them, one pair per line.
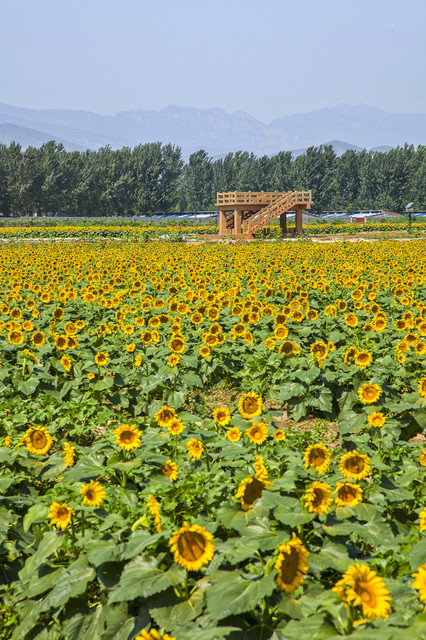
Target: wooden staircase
242, 214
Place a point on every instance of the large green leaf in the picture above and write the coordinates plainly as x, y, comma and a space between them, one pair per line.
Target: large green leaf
232, 594
73, 583
5, 520
103, 384
292, 518
331, 556
180, 613
89, 624
49, 544
36, 513
232, 516
43, 579
290, 390
86, 468
142, 578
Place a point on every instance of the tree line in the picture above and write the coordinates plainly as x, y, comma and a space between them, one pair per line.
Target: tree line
154, 178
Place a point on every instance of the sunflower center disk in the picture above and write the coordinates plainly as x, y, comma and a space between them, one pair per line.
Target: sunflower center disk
191, 545
289, 566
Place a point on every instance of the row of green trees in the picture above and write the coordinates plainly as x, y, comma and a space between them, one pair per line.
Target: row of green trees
154, 178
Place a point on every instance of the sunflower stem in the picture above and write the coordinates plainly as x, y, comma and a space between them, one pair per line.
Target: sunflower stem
350, 625
73, 539
83, 523
265, 610
123, 479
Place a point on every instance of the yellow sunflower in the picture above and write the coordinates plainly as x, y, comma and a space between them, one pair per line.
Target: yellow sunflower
421, 387
170, 470
422, 516
362, 587
376, 419
261, 472
318, 498
204, 351
222, 416
154, 509
233, 434
61, 342
250, 405
279, 435
420, 583
58, 313
72, 343
348, 494
319, 350
173, 360
195, 448
177, 344
93, 494
291, 565
69, 454
363, 359
15, 337
281, 332
257, 432
38, 338
175, 426
102, 359
369, 393
60, 515
37, 440
288, 348
128, 437
192, 546
165, 416
249, 490
350, 354
146, 337
318, 456
354, 465
66, 362
130, 347
422, 457
153, 634
351, 320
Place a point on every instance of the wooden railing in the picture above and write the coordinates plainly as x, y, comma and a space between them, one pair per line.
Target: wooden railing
259, 197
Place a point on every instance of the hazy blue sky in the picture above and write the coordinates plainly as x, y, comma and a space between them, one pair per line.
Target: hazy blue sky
271, 58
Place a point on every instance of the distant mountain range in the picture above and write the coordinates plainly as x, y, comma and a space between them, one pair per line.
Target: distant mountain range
214, 130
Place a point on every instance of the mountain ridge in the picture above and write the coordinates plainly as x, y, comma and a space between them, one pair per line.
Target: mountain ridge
216, 130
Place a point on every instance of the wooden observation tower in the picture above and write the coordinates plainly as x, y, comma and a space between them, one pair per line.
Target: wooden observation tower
242, 213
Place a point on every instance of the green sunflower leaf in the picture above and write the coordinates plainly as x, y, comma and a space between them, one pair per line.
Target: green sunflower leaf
231, 594
142, 578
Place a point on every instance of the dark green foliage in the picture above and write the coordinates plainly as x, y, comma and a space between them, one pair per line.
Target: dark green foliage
153, 178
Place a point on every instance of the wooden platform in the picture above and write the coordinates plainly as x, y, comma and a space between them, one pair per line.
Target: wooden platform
243, 213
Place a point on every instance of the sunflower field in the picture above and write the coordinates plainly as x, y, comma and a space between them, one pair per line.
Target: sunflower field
203, 441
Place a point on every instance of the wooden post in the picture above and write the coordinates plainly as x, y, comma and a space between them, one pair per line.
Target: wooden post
222, 223
298, 219
237, 222
283, 224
